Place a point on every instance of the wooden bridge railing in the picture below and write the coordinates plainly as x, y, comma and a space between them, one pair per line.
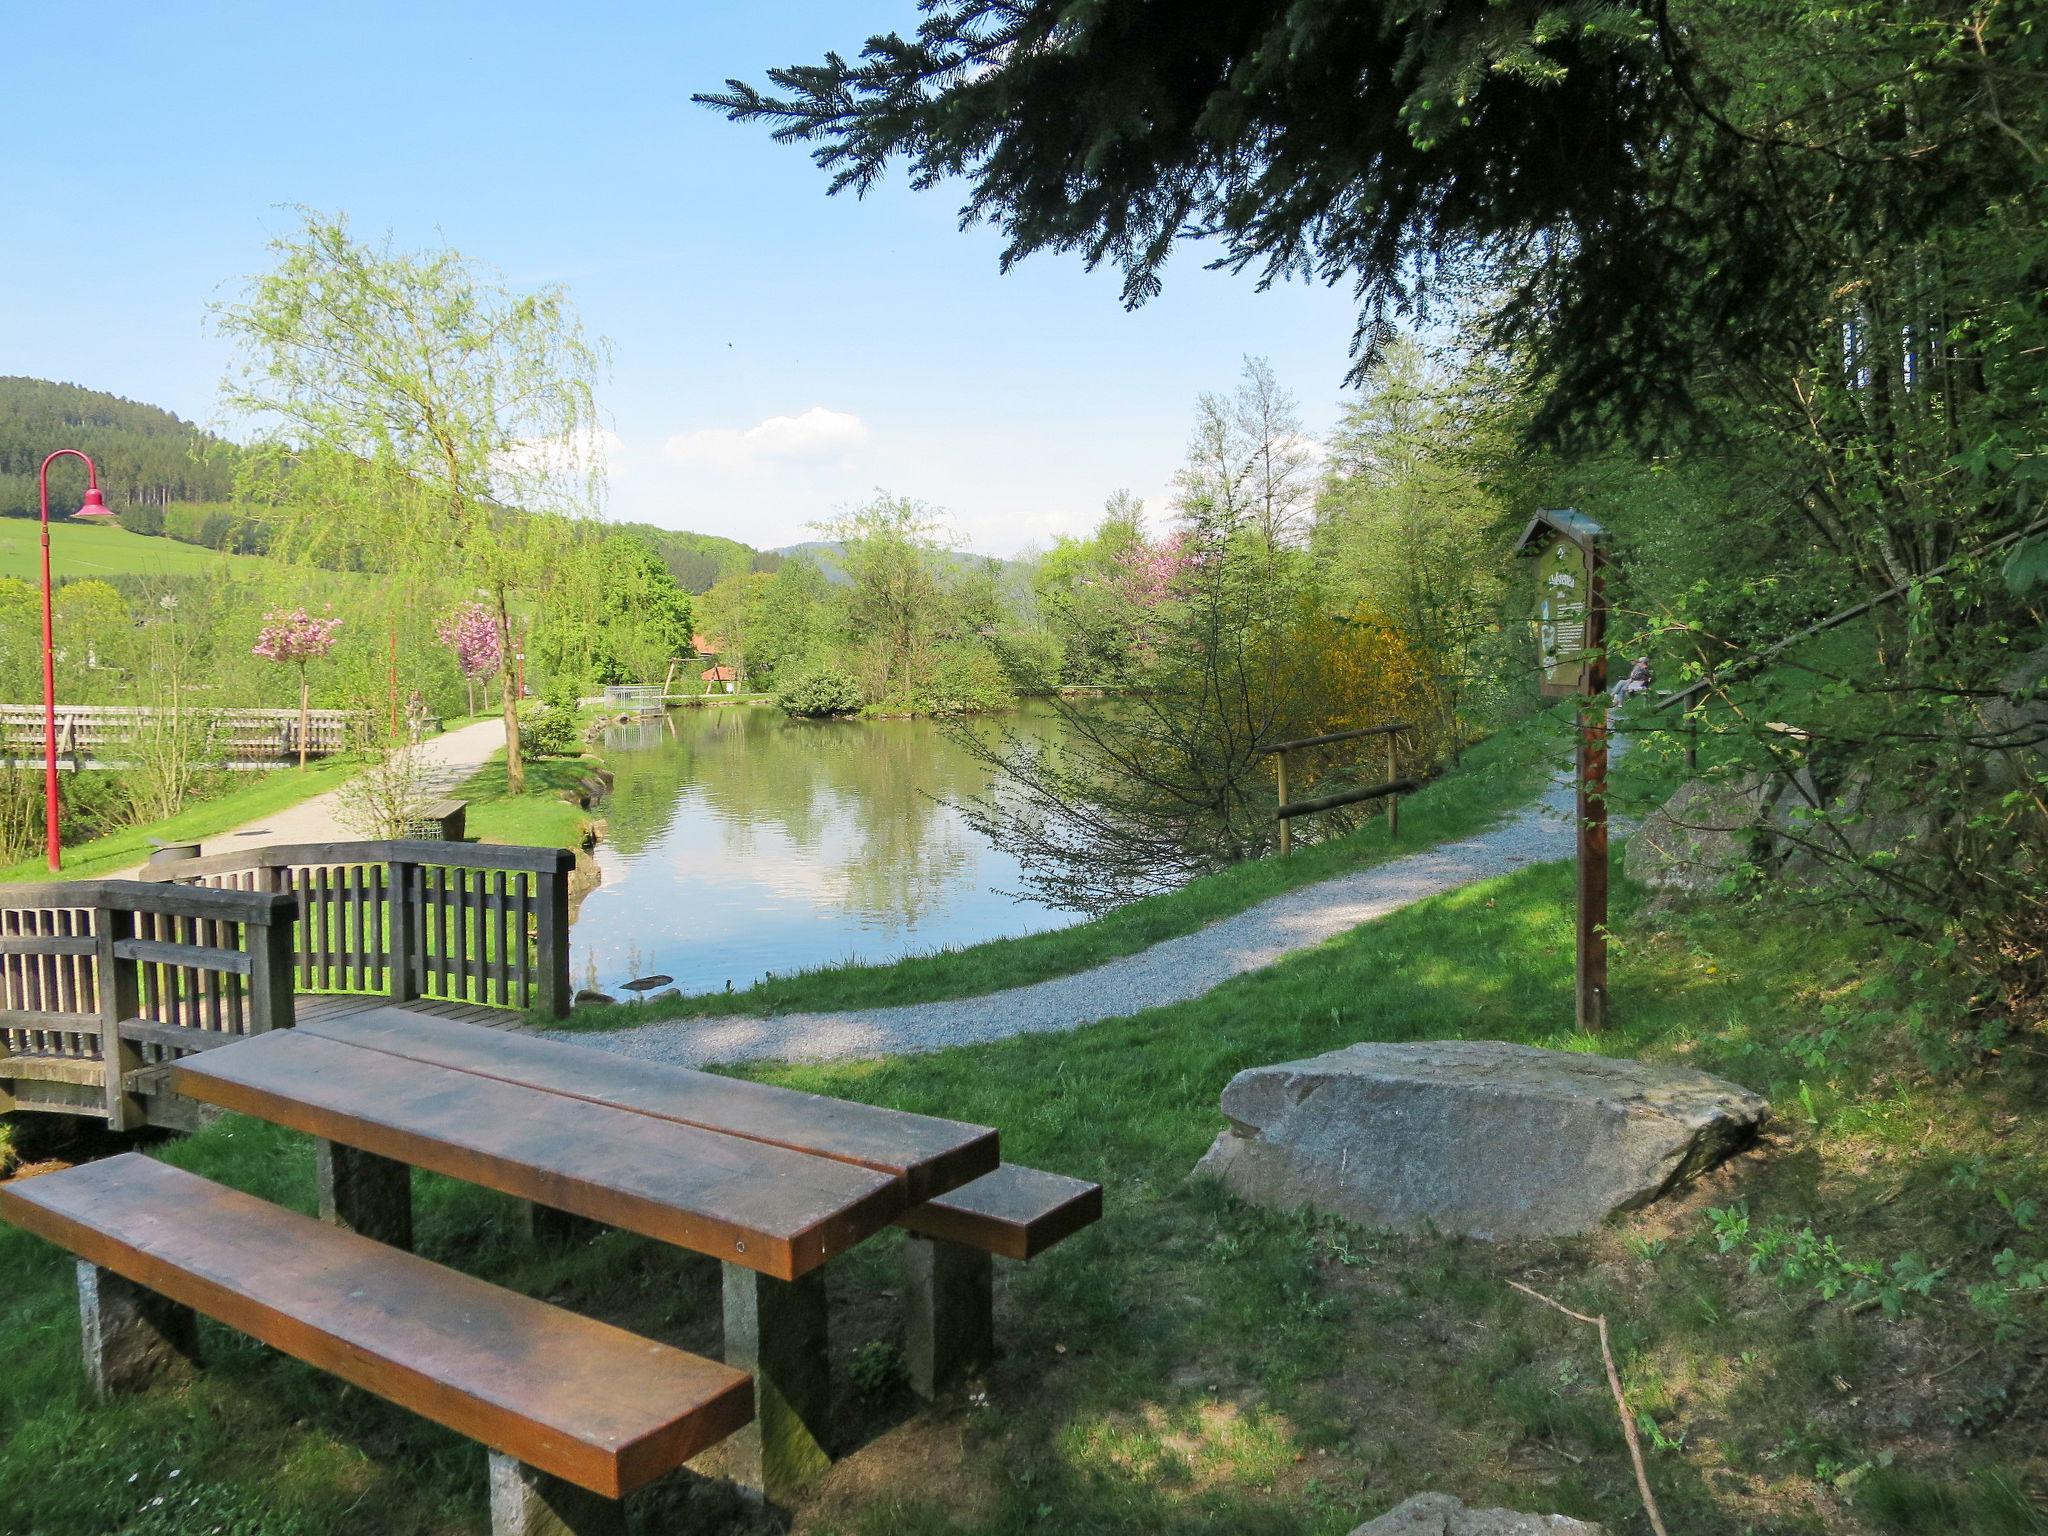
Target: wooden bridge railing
1285, 810
103, 983
457, 922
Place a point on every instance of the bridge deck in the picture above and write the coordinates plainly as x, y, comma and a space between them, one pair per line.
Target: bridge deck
309, 1007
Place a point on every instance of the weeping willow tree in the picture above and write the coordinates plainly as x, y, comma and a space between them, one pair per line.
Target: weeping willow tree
417, 417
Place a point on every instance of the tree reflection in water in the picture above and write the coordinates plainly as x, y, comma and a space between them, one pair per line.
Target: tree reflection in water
739, 842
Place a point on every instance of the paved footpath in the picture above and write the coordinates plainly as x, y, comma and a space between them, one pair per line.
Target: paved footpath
1169, 972
446, 759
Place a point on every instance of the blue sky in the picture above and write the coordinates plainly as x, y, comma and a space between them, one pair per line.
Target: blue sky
777, 353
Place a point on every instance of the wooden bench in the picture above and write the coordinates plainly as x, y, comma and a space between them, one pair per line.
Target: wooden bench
576, 1413
440, 821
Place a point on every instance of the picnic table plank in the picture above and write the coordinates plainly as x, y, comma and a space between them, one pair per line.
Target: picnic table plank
931, 1155
582, 1399
1015, 1212
760, 1206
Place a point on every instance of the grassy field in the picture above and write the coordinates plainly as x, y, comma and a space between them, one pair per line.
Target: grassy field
261, 795
81, 549
1195, 1366
1497, 776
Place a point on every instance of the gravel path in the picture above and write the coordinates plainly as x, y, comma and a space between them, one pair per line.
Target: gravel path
1169, 972
445, 760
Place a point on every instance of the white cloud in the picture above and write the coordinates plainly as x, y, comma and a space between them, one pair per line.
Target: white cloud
815, 436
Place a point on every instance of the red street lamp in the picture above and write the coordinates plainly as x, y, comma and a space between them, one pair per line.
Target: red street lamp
94, 511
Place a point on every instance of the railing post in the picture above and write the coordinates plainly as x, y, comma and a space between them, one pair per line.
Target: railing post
402, 985
273, 968
1393, 800
1286, 826
551, 890
120, 994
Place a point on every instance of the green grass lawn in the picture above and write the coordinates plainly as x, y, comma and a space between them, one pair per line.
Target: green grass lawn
82, 549
1498, 775
1198, 1367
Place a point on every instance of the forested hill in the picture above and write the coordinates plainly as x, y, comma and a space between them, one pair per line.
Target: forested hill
698, 561
166, 476
146, 455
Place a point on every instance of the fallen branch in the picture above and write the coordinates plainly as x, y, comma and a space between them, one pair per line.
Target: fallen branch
1628, 1423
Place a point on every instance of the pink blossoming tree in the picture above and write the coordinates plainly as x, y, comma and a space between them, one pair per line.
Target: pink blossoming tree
472, 634
294, 638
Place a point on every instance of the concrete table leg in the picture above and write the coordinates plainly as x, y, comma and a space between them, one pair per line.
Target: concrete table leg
778, 1330
528, 1502
364, 1193
133, 1337
949, 1295
547, 1227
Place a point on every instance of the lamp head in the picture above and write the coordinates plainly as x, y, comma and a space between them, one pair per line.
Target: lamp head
95, 509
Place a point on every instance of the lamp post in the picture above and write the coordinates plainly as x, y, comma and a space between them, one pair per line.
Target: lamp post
94, 511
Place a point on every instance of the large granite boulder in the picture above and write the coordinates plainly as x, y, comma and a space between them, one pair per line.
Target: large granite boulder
1702, 835
1474, 1137
1438, 1514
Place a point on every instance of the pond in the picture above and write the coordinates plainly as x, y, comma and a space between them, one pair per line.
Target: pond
740, 842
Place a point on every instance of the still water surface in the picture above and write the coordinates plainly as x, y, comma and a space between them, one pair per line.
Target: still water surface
741, 842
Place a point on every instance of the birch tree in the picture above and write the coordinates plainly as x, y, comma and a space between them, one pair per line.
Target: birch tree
416, 415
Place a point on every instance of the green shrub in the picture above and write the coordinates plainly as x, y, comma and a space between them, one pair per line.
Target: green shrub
821, 693
556, 728
967, 682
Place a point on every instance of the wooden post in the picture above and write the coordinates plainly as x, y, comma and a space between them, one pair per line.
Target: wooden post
1286, 826
120, 1000
552, 912
1393, 800
1591, 968
401, 924
1692, 746
273, 979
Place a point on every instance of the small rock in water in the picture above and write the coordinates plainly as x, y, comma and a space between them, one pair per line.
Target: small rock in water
588, 997
646, 983
1438, 1514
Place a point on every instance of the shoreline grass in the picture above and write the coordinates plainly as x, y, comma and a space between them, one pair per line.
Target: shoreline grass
1497, 776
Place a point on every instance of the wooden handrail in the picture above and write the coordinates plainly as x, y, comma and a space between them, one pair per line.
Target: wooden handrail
507, 856
261, 907
1284, 811
111, 980
414, 917
1346, 797
1390, 729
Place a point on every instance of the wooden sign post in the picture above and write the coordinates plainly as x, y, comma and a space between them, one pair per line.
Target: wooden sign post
1571, 641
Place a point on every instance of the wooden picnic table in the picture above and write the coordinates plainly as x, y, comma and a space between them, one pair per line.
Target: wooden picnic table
770, 1181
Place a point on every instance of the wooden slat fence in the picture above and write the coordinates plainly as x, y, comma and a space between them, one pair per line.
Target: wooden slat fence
105, 982
456, 922
95, 730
